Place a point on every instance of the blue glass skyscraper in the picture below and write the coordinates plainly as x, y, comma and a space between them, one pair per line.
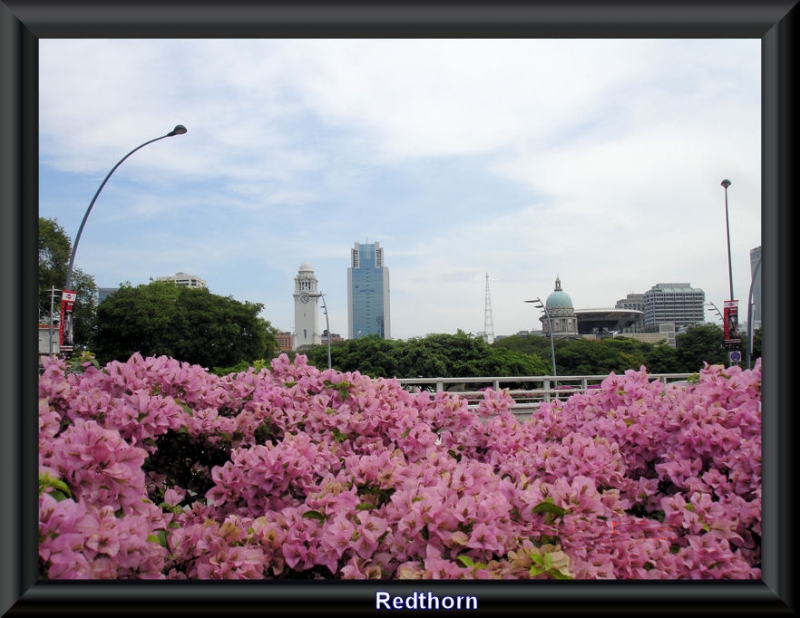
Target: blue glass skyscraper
368, 293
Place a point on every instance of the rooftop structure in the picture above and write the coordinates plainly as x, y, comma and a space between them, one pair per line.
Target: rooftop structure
185, 279
606, 321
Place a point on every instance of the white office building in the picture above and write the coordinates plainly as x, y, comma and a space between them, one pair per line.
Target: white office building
674, 303
185, 279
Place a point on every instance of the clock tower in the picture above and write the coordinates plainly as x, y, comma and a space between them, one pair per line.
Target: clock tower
306, 308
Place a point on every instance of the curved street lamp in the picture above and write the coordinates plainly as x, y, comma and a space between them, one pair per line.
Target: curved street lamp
727, 183
730, 309
541, 305
716, 310
178, 130
327, 323
67, 323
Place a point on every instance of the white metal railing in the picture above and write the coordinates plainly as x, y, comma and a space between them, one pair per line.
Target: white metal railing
528, 392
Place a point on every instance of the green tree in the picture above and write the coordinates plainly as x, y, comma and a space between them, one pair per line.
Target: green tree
630, 353
701, 343
188, 324
433, 356
55, 248
371, 355
597, 356
663, 358
527, 344
756, 352
586, 357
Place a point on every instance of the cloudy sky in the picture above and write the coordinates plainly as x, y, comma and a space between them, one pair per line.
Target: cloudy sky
597, 161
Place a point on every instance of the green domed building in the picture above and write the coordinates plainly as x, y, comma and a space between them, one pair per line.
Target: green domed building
560, 314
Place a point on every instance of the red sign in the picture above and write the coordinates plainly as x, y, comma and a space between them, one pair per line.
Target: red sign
731, 319
65, 326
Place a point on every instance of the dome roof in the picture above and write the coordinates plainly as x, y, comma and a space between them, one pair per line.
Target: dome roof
558, 299
306, 266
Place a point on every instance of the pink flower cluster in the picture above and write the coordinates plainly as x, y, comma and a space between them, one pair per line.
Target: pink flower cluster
158, 469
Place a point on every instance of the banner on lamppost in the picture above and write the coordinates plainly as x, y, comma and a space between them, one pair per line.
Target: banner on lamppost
65, 326
731, 322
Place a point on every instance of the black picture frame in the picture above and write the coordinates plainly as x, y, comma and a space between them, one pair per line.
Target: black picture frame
24, 22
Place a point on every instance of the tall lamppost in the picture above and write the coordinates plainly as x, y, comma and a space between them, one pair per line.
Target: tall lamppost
327, 322
731, 310
541, 305
727, 183
178, 130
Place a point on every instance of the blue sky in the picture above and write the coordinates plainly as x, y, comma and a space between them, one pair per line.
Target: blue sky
597, 161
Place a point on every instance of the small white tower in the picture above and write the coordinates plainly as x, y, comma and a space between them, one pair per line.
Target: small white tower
306, 308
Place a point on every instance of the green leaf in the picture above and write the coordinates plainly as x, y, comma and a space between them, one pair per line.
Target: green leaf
314, 515
46, 481
549, 506
159, 537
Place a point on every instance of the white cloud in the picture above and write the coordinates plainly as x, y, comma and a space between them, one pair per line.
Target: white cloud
596, 160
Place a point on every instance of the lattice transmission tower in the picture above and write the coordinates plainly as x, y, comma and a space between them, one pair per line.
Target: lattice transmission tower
488, 324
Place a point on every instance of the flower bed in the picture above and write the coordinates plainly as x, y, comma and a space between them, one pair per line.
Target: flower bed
156, 469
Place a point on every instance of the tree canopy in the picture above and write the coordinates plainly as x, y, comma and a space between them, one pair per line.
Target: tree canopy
188, 324
433, 356
55, 248
701, 343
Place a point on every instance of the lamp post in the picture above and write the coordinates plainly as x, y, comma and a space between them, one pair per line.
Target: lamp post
52, 298
178, 130
327, 323
716, 310
730, 319
727, 183
52, 292
541, 305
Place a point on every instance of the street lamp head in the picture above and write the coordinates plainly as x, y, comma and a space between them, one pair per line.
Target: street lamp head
726, 183
178, 130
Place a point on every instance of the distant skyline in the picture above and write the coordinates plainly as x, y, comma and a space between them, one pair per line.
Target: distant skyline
597, 161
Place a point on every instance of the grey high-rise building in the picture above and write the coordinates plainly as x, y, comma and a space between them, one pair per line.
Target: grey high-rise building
675, 303
636, 302
368, 293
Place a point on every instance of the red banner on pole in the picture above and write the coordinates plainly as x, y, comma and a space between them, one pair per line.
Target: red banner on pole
731, 320
65, 326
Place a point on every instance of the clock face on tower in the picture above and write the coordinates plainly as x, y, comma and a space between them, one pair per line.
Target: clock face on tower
304, 298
